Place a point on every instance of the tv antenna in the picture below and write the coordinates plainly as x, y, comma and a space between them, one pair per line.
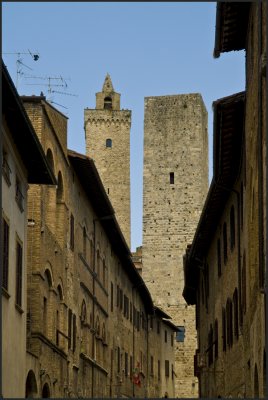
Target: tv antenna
20, 64
60, 83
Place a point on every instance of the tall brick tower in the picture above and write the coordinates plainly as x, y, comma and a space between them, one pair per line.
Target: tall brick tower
107, 131
174, 189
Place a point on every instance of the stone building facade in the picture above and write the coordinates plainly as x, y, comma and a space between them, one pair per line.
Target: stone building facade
175, 183
225, 266
89, 311
18, 170
107, 131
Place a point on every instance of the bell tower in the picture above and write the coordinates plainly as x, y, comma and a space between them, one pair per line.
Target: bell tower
107, 133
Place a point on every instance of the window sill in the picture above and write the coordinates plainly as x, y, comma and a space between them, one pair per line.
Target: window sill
19, 309
5, 293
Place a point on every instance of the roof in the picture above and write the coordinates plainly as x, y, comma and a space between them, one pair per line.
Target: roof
90, 180
228, 140
160, 313
171, 325
24, 135
231, 26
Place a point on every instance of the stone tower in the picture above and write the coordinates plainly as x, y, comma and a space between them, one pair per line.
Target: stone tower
175, 184
107, 131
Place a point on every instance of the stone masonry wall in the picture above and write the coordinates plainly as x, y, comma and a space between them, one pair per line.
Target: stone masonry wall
175, 142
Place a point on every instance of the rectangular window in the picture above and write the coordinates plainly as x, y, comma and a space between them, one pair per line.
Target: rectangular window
74, 332
117, 296
171, 178
118, 360
72, 232
138, 320
158, 327
152, 365
151, 323
126, 364
5, 253
121, 299
219, 256
6, 171
18, 196
45, 316
112, 296
165, 336
223, 330
180, 334
130, 312
69, 328
167, 368
130, 366
19, 274
172, 339
158, 370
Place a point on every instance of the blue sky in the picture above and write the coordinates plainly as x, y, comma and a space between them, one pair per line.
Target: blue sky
149, 49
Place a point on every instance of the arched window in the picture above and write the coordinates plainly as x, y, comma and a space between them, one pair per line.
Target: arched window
59, 290
232, 228
60, 187
50, 159
225, 243
109, 142
108, 103
48, 277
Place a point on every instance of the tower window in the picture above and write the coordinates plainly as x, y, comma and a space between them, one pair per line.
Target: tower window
171, 178
109, 142
107, 103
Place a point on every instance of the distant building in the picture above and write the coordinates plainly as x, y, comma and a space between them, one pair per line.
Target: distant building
107, 131
225, 265
23, 162
175, 183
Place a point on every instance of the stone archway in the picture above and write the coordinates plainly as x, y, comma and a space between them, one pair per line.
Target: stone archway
31, 386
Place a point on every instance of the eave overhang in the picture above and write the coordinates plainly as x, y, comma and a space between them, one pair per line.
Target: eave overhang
228, 143
24, 135
89, 178
231, 26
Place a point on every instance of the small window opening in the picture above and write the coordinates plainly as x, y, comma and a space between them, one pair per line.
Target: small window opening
180, 334
107, 103
109, 142
171, 178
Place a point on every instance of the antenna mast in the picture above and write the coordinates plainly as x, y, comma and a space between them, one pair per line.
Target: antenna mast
20, 64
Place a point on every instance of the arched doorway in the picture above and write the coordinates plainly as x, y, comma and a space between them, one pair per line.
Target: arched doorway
31, 385
45, 391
